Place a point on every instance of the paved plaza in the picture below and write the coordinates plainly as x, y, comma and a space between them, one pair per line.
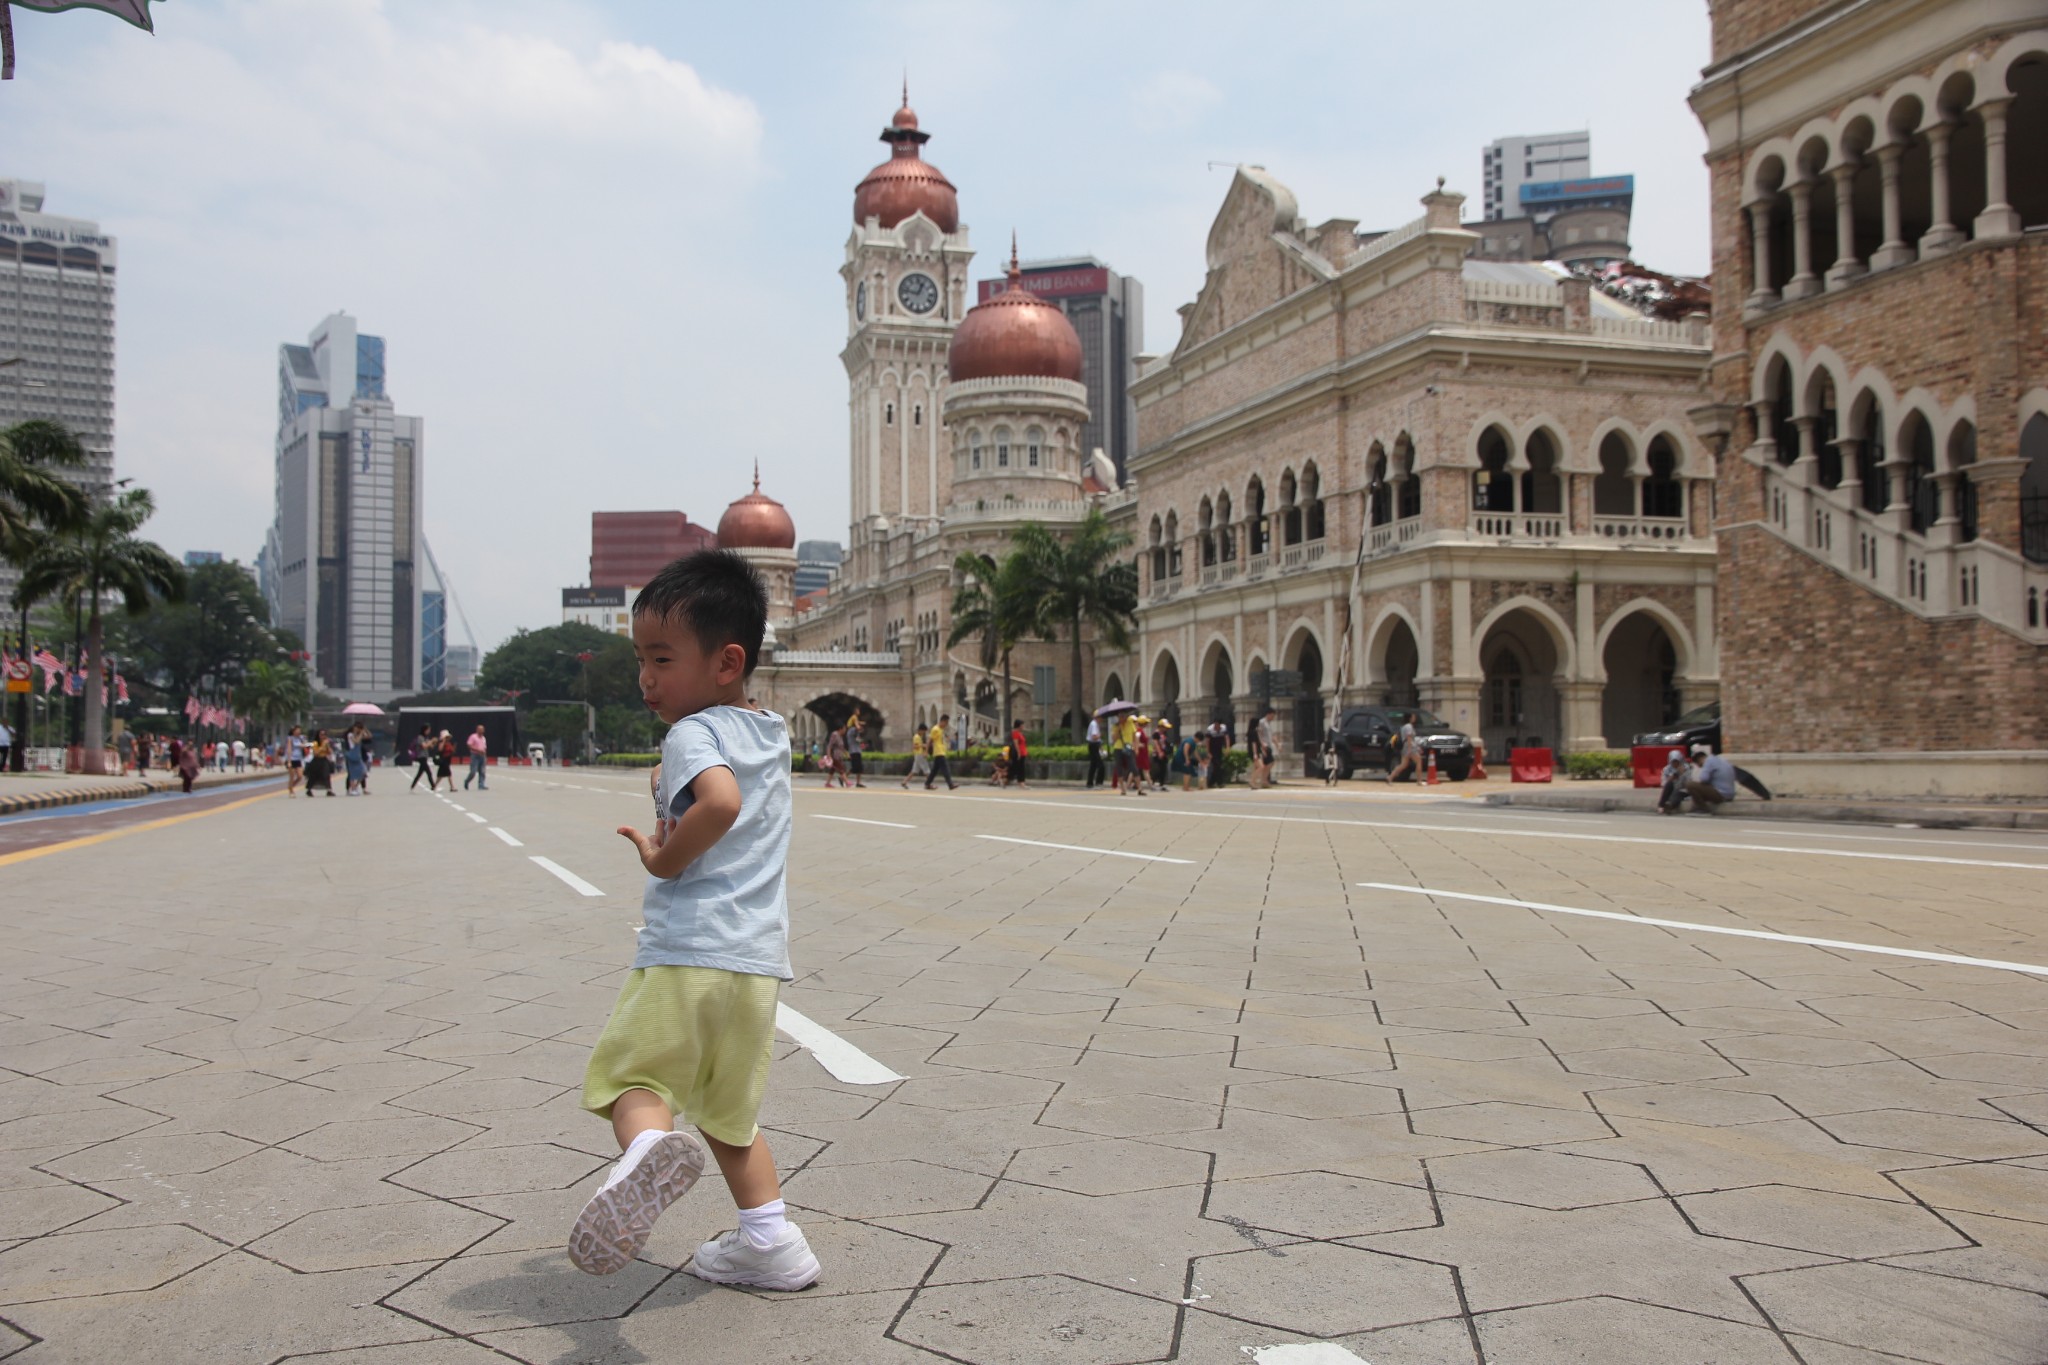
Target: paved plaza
1193, 1078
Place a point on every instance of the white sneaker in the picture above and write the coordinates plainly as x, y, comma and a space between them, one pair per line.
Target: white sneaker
617, 1221
730, 1258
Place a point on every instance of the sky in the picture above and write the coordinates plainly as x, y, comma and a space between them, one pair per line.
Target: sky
601, 239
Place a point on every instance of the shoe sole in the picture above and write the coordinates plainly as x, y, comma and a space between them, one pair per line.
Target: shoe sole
617, 1222
791, 1283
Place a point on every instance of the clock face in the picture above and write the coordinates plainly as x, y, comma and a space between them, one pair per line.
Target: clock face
860, 299
918, 294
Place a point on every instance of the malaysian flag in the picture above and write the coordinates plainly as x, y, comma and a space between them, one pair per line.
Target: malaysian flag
120, 687
191, 708
51, 666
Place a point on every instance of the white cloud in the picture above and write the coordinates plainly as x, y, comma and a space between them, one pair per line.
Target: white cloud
1172, 100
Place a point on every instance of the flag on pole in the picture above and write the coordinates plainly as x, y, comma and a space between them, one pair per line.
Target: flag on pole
51, 666
120, 687
191, 708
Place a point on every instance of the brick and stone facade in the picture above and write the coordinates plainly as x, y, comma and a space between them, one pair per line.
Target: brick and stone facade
1879, 182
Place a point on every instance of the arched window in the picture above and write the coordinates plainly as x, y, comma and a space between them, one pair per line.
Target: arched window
1157, 544
2026, 133
1542, 490
1255, 517
1962, 453
1290, 509
1226, 534
1784, 430
1002, 447
1663, 494
1034, 444
1379, 494
1493, 488
1173, 544
2034, 489
1407, 487
1827, 436
1870, 458
888, 414
1206, 532
974, 450
917, 415
1923, 495
1614, 487
1312, 501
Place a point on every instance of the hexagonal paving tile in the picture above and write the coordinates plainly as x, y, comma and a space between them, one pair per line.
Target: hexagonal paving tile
1605, 1329
1108, 1166
1900, 1008
1916, 1315
1799, 1049
1012, 1056
178, 1154
1315, 1098
1585, 1006
1320, 1204
382, 1234
1911, 1130
518, 1289
2002, 1189
1993, 1067
380, 1137
1467, 1047
1820, 1220
882, 1188
973, 1090
1052, 1002
1324, 1291
1159, 1042
1132, 1115
458, 1098
1035, 1319
1542, 1179
1649, 1064
1314, 1060
496, 1170
1701, 1106
72, 1264
45, 1207
1511, 1124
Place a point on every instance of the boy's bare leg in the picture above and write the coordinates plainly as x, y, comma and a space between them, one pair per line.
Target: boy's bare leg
749, 1171
658, 1168
637, 1112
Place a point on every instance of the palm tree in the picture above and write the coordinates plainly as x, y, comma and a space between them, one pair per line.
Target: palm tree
34, 500
1079, 583
275, 694
994, 602
101, 558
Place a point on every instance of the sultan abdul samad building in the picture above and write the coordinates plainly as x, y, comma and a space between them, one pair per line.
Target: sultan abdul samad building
1371, 460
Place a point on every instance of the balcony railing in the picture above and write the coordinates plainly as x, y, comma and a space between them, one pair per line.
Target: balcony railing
837, 658
1394, 535
1295, 558
1213, 574
1640, 529
1518, 525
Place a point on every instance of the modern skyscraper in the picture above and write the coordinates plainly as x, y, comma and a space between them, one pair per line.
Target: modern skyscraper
1538, 158
345, 544
56, 327
433, 640
1108, 311
817, 564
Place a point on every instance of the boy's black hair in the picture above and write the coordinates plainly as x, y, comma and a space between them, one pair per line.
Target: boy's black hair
717, 595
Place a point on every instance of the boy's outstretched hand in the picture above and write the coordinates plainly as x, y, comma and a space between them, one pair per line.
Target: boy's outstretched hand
649, 844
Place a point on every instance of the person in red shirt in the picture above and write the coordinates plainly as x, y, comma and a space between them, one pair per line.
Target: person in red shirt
1018, 754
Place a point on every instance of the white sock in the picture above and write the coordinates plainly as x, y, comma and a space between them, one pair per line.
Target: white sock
635, 1149
765, 1225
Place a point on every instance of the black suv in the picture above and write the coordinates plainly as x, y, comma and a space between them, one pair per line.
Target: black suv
1701, 725
1368, 737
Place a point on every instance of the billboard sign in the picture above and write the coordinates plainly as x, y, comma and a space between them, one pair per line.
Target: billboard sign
1556, 191
593, 597
1051, 284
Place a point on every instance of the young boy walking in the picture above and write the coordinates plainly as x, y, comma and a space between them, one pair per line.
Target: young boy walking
693, 1031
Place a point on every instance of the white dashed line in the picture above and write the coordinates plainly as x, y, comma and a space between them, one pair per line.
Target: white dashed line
1842, 944
1083, 848
845, 1061
478, 818
848, 819
566, 875
506, 837
453, 806
1305, 1353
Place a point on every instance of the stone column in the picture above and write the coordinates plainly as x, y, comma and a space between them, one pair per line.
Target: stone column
1948, 526
1896, 250
1581, 707
1804, 283
1943, 235
1806, 465
1999, 219
1761, 295
1846, 267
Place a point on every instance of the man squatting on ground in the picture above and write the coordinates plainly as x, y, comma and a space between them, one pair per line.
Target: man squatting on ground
693, 1031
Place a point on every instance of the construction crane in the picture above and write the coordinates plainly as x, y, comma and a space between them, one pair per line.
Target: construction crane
448, 590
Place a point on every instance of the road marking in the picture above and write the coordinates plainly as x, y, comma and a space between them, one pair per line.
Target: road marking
845, 1061
848, 819
1306, 1353
1083, 848
1493, 831
452, 806
566, 875
478, 818
1842, 944
25, 854
506, 837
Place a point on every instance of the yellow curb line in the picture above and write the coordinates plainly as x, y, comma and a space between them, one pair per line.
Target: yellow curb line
25, 854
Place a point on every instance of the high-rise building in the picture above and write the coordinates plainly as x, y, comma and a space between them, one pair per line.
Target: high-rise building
1538, 158
462, 665
628, 548
56, 327
344, 547
433, 640
195, 558
1108, 311
817, 564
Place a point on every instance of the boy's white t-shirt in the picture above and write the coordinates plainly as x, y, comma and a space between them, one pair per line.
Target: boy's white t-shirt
729, 909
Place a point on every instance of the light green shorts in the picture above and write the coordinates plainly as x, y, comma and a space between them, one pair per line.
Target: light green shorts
698, 1037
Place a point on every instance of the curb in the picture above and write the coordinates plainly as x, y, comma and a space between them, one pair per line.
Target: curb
1927, 817
126, 789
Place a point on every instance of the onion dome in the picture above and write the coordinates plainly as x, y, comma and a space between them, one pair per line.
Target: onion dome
906, 183
1015, 335
756, 522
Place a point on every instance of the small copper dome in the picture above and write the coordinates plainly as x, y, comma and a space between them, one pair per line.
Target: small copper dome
1015, 335
756, 522
906, 183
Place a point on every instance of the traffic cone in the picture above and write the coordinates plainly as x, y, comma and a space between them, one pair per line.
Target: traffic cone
1432, 767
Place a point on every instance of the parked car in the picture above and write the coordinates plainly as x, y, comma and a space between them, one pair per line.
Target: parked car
1701, 725
1365, 737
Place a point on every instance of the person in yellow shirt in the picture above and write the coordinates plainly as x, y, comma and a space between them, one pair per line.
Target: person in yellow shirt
920, 758
936, 742
1126, 771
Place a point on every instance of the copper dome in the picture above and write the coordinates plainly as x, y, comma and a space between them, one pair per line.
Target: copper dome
906, 183
756, 522
1015, 335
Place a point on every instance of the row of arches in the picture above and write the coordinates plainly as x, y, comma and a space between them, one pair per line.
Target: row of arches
1297, 517
1932, 162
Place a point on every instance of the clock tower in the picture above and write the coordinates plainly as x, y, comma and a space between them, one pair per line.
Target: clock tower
906, 277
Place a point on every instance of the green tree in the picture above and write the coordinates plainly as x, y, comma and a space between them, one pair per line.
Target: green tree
216, 630
100, 559
546, 664
1080, 583
275, 692
993, 601
35, 500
